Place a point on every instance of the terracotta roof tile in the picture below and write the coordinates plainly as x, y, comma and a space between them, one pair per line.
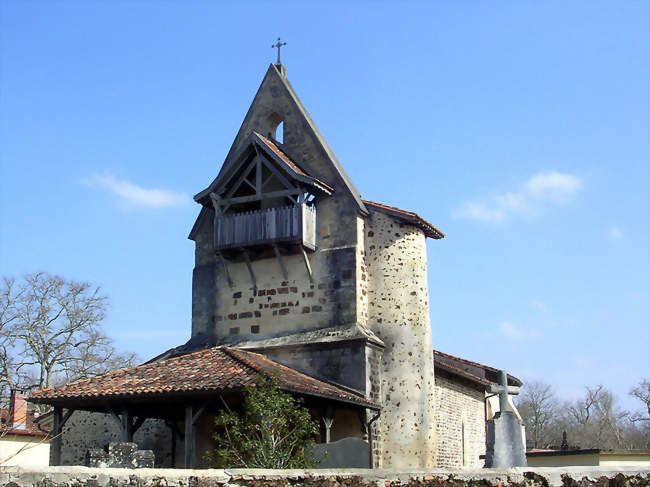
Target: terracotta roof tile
289, 162
409, 216
488, 374
32, 427
216, 369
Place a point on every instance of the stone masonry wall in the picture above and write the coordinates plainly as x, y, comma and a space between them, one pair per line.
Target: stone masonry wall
398, 313
519, 477
279, 305
85, 430
460, 422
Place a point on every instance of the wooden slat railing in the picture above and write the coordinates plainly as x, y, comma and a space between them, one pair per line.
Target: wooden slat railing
275, 225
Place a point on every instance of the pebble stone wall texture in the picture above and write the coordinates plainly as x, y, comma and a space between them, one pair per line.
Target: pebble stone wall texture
395, 268
518, 477
460, 422
85, 431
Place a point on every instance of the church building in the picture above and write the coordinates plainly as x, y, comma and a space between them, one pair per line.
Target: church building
298, 277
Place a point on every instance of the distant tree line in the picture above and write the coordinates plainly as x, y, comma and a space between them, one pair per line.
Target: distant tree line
51, 333
595, 420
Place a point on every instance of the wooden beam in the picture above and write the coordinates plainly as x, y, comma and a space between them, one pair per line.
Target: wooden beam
137, 424
254, 197
241, 178
115, 417
277, 173
55, 444
250, 267
66, 417
198, 414
304, 254
285, 274
125, 426
189, 437
258, 177
225, 268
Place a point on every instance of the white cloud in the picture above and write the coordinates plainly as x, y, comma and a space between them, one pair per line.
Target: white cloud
615, 233
540, 190
132, 195
515, 332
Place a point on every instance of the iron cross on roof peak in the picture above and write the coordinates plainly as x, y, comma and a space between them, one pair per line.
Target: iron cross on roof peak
278, 45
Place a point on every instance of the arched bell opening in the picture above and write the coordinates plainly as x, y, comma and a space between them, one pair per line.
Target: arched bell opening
275, 127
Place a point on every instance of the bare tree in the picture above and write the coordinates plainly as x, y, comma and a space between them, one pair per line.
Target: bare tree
639, 430
642, 392
52, 332
539, 410
596, 421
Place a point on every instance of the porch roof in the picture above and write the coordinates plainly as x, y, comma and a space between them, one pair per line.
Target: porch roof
218, 369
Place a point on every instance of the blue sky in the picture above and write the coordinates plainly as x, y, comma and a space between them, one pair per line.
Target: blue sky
520, 129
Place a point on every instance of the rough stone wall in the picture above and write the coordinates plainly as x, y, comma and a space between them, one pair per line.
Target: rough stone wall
519, 477
343, 363
331, 299
398, 312
373, 386
85, 430
460, 422
278, 305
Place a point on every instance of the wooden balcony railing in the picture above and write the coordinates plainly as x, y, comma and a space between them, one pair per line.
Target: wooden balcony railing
291, 224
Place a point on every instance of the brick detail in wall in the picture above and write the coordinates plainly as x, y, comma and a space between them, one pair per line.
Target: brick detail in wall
460, 409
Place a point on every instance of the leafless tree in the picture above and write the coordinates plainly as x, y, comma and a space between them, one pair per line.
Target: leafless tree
639, 430
596, 421
642, 392
538, 407
50, 332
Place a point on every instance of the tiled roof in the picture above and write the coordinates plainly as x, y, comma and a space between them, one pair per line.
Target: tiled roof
472, 370
409, 216
217, 369
287, 160
31, 429
460, 372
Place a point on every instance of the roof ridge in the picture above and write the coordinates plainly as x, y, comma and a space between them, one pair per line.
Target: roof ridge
234, 354
471, 362
234, 351
434, 232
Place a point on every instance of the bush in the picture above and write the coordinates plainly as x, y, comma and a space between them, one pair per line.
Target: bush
272, 431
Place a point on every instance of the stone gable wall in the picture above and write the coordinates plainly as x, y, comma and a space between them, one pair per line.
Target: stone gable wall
398, 312
460, 422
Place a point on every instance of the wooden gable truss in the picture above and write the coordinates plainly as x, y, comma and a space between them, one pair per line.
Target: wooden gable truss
264, 181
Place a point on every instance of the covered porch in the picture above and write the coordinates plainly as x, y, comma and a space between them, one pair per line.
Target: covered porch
186, 392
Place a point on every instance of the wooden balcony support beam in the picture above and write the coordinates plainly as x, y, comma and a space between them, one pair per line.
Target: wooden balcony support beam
250, 268
58, 422
307, 265
224, 264
285, 274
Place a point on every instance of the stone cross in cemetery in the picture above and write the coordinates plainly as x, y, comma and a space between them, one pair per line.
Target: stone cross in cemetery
505, 446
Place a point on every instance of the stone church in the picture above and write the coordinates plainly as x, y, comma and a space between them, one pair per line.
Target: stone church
299, 277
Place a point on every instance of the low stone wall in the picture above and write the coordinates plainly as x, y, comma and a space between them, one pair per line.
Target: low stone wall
516, 477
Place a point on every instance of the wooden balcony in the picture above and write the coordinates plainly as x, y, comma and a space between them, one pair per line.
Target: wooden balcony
285, 225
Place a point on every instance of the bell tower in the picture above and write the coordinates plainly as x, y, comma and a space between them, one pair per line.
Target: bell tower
292, 263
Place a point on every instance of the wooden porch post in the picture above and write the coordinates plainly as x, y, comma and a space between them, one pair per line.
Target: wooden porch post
126, 434
189, 437
57, 427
